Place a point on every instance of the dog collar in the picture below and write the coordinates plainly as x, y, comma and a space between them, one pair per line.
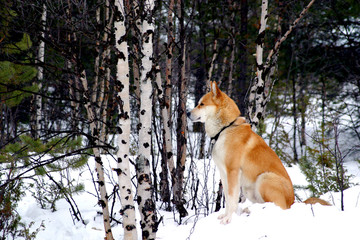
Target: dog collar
215, 138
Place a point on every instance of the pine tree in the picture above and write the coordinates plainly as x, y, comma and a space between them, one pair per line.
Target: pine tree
16, 76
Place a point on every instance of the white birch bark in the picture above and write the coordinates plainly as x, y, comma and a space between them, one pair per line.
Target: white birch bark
166, 112
145, 190
103, 202
255, 108
211, 68
123, 136
40, 73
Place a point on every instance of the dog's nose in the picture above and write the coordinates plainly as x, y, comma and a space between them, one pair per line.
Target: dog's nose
188, 114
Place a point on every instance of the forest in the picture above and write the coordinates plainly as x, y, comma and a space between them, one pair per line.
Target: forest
103, 86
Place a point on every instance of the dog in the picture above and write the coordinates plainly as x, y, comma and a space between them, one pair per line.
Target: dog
243, 158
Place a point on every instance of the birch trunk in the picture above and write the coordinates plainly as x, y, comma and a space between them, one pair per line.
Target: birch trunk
211, 68
40, 74
123, 136
255, 109
95, 134
145, 189
167, 99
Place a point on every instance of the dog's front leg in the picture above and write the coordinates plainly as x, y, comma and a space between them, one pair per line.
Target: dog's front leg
232, 193
224, 181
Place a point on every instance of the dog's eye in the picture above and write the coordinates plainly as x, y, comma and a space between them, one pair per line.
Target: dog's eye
201, 104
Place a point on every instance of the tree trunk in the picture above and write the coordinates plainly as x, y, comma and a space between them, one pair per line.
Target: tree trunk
243, 51
135, 25
145, 189
303, 107
167, 153
295, 118
123, 133
231, 67
257, 91
200, 83
164, 174
40, 75
73, 80
219, 195
94, 141
105, 71
181, 123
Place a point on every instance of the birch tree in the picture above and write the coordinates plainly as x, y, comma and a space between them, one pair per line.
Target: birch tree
94, 141
95, 105
145, 189
260, 90
40, 74
123, 135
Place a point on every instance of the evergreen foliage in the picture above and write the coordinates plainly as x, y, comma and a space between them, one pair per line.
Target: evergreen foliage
44, 159
10, 195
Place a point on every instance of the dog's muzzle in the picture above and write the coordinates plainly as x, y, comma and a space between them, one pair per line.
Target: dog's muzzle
191, 117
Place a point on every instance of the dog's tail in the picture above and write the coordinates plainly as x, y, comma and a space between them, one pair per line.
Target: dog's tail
313, 200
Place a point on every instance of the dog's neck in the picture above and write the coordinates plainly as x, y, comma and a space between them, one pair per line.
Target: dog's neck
215, 138
214, 127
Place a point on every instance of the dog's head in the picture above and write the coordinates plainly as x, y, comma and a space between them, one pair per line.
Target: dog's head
215, 105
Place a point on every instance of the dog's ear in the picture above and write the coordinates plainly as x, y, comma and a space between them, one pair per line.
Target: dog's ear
215, 90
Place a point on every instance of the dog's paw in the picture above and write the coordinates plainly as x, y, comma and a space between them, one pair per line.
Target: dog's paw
226, 219
221, 216
245, 211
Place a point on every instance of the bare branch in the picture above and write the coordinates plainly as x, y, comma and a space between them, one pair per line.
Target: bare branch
284, 37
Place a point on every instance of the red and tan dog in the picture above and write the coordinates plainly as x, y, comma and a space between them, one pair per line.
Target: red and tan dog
243, 158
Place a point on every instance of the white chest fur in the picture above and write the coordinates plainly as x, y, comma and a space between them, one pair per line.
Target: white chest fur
219, 153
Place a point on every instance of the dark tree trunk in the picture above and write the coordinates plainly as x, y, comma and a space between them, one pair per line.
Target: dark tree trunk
181, 122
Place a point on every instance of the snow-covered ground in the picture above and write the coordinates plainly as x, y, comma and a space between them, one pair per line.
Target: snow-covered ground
265, 221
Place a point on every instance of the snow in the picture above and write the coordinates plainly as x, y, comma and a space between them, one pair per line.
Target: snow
267, 221
257, 221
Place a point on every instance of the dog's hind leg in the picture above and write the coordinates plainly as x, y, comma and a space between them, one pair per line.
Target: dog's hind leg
232, 196
276, 189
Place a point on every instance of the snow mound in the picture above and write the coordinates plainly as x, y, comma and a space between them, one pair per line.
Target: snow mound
267, 221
